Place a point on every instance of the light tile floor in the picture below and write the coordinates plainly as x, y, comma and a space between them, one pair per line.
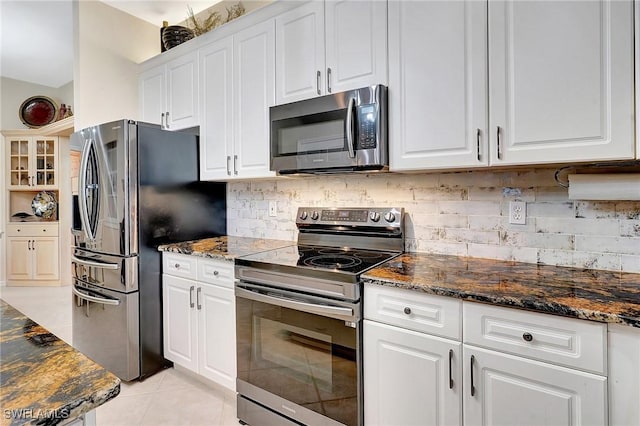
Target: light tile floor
171, 397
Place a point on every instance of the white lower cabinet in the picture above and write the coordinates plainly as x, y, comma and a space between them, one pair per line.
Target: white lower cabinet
199, 316
512, 367
503, 389
410, 378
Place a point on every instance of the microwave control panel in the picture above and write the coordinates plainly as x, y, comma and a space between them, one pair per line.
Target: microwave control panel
367, 125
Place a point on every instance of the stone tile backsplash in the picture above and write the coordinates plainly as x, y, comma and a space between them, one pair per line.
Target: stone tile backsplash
463, 213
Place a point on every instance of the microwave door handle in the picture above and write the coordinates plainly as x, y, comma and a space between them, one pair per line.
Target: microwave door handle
337, 312
349, 128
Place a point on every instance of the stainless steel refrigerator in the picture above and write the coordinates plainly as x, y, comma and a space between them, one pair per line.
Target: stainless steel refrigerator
138, 188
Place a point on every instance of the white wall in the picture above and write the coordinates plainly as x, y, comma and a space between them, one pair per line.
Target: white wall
108, 46
462, 214
15, 92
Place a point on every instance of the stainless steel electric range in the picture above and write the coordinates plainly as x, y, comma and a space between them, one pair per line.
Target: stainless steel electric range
299, 319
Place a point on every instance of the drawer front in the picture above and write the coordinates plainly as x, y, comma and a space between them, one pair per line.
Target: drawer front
219, 272
179, 265
32, 230
562, 341
437, 315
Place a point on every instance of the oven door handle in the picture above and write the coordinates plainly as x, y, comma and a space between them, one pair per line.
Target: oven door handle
337, 312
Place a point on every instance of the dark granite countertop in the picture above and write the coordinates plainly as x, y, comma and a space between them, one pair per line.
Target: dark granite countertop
579, 293
43, 380
227, 247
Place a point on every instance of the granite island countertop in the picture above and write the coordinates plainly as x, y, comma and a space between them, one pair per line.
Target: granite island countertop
43, 380
225, 247
579, 293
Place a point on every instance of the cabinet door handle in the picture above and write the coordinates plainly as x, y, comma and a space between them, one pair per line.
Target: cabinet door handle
33, 245
166, 120
177, 266
318, 81
498, 142
30, 180
215, 273
478, 143
198, 297
191, 296
228, 165
450, 375
162, 121
235, 164
328, 80
473, 388
29, 245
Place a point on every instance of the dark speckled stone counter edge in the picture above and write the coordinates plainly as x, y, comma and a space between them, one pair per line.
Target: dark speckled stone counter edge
602, 296
225, 247
43, 380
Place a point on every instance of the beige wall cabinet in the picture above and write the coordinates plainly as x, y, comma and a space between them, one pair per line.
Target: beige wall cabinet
32, 162
33, 254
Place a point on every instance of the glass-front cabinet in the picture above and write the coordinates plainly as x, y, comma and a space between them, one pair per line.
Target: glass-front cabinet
33, 162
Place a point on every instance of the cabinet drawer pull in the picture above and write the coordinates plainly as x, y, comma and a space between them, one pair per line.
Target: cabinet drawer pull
216, 273
473, 388
191, 304
407, 310
177, 266
527, 337
450, 375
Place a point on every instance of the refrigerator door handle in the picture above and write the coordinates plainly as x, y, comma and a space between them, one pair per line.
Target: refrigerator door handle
81, 295
103, 265
82, 188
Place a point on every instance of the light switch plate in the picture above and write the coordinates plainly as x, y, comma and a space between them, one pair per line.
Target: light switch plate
273, 209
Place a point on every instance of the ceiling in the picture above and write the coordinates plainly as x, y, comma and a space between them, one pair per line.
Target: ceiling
36, 37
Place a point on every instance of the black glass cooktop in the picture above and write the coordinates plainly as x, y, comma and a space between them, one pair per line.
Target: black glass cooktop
353, 261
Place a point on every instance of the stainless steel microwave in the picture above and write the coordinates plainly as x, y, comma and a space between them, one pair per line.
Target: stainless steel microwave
336, 133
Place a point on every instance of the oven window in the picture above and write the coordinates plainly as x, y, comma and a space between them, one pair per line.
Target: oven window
310, 134
305, 358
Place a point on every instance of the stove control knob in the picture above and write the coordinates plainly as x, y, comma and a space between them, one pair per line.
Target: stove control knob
389, 217
303, 215
315, 215
374, 216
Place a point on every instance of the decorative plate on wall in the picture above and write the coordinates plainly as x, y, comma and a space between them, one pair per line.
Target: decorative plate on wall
44, 205
38, 111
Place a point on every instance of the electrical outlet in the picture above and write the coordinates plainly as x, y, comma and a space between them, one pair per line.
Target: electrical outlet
273, 209
518, 212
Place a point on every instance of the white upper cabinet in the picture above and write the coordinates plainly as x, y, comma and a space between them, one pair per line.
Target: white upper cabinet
437, 84
253, 94
238, 87
332, 46
561, 79
216, 129
169, 93
560, 76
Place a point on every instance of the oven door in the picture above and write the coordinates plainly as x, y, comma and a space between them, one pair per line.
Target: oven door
299, 356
